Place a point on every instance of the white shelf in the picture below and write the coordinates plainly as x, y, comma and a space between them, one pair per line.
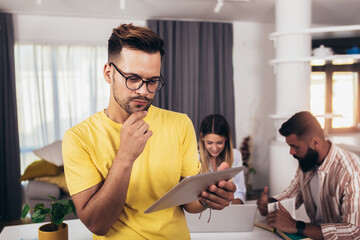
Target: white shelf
279, 116
347, 28
330, 29
308, 59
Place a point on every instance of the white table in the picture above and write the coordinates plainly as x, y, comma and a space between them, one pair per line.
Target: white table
256, 234
77, 231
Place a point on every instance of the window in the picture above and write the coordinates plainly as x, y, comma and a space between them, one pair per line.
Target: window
57, 87
335, 97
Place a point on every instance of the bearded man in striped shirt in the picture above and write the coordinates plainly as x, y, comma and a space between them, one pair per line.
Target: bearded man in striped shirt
327, 181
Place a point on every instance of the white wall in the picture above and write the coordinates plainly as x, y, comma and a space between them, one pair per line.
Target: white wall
69, 30
254, 82
253, 76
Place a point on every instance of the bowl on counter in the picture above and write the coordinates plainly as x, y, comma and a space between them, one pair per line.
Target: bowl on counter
322, 51
353, 50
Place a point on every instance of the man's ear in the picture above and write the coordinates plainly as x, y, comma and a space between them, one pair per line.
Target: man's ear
314, 143
107, 73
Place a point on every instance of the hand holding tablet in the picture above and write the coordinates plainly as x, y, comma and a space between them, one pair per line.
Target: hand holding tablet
219, 195
188, 189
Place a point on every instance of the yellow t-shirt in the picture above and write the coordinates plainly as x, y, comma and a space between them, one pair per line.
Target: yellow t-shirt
171, 153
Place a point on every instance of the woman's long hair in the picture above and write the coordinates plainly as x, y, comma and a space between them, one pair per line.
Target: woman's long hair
218, 125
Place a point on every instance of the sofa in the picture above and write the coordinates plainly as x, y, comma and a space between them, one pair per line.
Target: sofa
45, 177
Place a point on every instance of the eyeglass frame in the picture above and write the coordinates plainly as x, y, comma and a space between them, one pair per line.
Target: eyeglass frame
161, 80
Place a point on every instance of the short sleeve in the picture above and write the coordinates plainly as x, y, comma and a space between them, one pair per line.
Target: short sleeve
80, 171
190, 164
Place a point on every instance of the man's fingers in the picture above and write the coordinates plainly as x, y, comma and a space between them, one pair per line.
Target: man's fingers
271, 220
215, 201
148, 134
142, 126
264, 195
136, 116
215, 205
265, 191
227, 188
227, 185
263, 201
217, 196
281, 207
135, 124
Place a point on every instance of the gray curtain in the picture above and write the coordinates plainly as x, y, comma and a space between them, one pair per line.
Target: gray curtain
10, 187
197, 68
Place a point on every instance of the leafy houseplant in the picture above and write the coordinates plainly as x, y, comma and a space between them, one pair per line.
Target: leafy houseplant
59, 209
245, 150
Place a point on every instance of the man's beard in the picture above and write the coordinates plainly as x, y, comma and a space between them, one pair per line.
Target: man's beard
308, 162
125, 104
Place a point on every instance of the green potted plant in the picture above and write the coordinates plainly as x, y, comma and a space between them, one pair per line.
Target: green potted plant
245, 150
59, 209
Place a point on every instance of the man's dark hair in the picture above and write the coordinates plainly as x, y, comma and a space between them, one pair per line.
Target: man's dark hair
302, 124
133, 37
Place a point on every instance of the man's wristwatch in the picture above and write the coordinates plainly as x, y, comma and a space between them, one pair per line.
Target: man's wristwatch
300, 227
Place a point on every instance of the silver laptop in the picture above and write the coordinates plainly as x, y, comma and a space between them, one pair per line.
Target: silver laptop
234, 218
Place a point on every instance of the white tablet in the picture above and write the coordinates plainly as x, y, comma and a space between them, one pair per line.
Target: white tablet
189, 188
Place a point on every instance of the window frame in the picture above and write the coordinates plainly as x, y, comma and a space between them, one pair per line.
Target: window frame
329, 69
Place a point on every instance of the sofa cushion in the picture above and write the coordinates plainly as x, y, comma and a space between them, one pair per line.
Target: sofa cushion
51, 153
41, 190
59, 180
40, 168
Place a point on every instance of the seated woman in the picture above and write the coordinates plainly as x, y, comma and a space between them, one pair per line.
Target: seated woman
215, 147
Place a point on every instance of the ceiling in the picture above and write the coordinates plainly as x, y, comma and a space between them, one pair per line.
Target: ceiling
324, 12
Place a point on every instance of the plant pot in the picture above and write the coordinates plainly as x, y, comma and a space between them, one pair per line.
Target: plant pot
47, 232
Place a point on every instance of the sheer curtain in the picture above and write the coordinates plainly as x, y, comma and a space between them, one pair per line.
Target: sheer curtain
57, 87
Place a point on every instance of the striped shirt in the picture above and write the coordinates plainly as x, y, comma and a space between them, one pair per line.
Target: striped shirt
339, 182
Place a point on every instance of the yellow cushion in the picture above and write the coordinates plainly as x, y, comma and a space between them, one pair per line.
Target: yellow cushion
40, 168
58, 180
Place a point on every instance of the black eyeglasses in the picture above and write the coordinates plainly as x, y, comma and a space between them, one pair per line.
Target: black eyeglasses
134, 82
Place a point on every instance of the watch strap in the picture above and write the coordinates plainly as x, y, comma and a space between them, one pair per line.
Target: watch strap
300, 227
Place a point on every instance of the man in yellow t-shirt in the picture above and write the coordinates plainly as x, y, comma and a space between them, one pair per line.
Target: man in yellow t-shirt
121, 160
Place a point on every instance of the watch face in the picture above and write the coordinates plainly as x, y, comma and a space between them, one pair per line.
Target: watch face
300, 226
